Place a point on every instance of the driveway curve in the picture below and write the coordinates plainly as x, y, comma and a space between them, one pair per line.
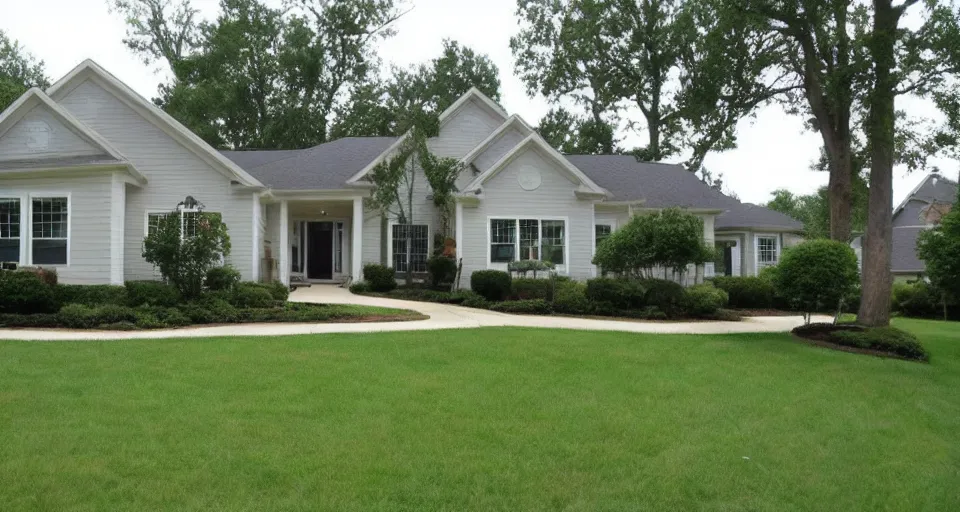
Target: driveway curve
442, 316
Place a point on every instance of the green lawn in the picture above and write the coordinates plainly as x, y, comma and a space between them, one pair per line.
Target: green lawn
492, 419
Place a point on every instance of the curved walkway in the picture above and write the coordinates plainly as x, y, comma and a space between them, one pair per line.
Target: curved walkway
442, 316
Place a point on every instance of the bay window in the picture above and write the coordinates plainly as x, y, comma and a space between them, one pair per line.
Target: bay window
9, 229
420, 248
528, 239
49, 230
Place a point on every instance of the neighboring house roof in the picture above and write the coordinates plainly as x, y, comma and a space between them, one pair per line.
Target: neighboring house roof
904, 257
746, 215
933, 189
324, 167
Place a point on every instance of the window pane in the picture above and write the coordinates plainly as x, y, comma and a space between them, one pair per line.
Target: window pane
153, 222
49, 252
419, 248
602, 231
49, 218
9, 218
553, 241
529, 239
9, 249
188, 224
503, 239
767, 251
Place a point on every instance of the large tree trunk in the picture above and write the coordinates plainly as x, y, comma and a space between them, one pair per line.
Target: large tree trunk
877, 280
840, 191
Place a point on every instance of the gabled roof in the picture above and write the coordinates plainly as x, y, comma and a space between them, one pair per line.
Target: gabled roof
933, 189
751, 216
513, 121
535, 141
153, 114
35, 97
481, 98
327, 166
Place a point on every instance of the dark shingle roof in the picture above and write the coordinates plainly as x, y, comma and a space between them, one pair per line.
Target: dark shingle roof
937, 189
324, 167
663, 185
904, 257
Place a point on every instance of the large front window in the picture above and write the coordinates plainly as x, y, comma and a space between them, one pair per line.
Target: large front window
767, 251
528, 239
9, 229
420, 247
50, 230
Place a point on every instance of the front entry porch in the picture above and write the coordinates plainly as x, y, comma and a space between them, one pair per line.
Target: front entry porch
315, 240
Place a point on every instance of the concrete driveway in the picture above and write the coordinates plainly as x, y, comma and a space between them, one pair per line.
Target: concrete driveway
442, 316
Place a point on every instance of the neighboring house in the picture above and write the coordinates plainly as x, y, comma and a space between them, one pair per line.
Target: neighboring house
88, 166
922, 209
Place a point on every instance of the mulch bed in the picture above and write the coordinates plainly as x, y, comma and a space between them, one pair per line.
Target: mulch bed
819, 335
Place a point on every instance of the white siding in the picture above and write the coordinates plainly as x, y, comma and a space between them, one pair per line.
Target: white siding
507, 141
39, 134
554, 198
89, 222
271, 239
173, 173
370, 247
464, 130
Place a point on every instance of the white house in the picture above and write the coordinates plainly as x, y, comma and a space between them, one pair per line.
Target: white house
88, 165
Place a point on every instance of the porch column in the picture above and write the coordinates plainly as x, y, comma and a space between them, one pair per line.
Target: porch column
118, 202
284, 257
458, 229
356, 237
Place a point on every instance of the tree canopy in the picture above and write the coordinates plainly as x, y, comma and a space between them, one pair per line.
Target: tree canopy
939, 248
19, 71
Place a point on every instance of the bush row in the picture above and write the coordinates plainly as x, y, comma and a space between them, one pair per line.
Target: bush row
883, 339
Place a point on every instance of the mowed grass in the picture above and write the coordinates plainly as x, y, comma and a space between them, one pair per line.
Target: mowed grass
491, 419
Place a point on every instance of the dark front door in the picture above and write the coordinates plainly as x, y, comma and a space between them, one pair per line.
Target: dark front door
320, 250
728, 260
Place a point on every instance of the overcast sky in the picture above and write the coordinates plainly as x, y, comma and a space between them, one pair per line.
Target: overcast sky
775, 152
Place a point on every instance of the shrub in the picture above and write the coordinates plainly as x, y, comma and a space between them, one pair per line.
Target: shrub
380, 278
704, 300
570, 297
523, 266
421, 294
277, 290
222, 278
885, 339
671, 238
25, 292
817, 275
211, 310
78, 316
36, 320
251, 295
148, 320
90, 294
359, 287
524, 289
528, 307
475, 301
184, 260
747, 292
493, 285
462, 296
917, 299
939, 248
151, 293
47, 275
610, 293
442, 270
667, 296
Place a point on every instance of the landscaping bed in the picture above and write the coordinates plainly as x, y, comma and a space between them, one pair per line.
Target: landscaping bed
28, 301
878, 341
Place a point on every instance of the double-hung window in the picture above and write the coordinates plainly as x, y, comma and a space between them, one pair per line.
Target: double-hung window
50, 230
419, 249
9, 229
768, 251
601, 233
189, 220
528, 239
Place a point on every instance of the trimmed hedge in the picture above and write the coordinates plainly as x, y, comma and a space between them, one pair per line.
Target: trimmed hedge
221, 278
380, 278
704, 300
610, 293
442, 270
667, 296
78, 316
151, 293
36, 320
251, 295
886, 339
748, 292
570, 297
527, 307
90, 294
917, 299
25, 292
528, 288
492, 285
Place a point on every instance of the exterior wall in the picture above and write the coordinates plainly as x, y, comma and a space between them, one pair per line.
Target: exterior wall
89, 222
271, 238
371, 237
462, 132
173, 173
910, 215
555, 198
507, 141
23, 141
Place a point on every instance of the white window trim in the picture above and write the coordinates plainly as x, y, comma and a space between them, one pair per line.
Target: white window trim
391, 224
24, 208
756, 249
29, 223
562, 269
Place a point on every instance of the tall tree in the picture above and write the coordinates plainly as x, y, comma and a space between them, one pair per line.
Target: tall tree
669, 59
19, 71
576, 135
814, 210
258, 76
379, 106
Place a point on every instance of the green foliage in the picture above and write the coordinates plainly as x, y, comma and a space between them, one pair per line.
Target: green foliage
704, 300
523, 307
151, 293
667, 296
525, 288
475, 301
19, 71
939, 248
184, 260
379, 278
884, 339
25, 292
47, 275
813, 210
221, 278
212, 309
570, 297
90, 294
918, 299
817, 275
443, 270
747, 292
572, 134
669, 238
522, 267
359, 287
34, 320
492, 285
251, 295
616, 294
78, 316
